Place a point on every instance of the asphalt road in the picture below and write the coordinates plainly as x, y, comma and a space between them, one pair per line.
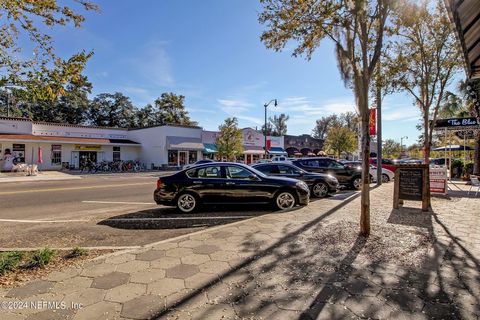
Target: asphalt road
98, 211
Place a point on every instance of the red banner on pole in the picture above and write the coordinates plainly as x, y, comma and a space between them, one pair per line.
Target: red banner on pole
269, 144
373, 122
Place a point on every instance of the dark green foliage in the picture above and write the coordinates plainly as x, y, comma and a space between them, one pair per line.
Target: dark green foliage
77, 252
40, 258
9, 261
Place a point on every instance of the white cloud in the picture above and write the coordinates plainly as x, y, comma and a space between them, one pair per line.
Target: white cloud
304, 106
237, 108
153, 63
234, 106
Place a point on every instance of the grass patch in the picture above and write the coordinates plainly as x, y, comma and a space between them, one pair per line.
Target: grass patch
40, 258
77, 252
9, 261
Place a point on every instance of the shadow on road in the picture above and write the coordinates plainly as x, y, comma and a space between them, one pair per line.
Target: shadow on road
170, 218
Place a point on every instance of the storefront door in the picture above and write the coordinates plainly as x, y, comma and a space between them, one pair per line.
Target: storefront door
182, 158
85, 156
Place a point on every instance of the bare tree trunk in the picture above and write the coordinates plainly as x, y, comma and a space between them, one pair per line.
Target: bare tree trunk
365, 134
427, 145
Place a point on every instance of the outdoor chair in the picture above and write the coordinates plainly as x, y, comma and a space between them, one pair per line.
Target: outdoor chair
475, 183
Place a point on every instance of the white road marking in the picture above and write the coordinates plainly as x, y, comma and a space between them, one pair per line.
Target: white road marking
179, 218
119, 202
41, 221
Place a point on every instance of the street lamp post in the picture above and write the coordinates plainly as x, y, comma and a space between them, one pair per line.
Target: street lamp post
401, 144
265, 127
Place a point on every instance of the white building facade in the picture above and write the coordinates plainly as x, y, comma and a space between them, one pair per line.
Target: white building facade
54, 146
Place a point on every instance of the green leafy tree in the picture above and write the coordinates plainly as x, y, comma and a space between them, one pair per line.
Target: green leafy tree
324, 124
341, 139
391, 148
171, 110
357, 30
24, 23
70, 106
423, 59
229, 140
145, 116
111, 110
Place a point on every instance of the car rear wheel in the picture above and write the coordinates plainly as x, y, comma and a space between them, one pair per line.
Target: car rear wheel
357, 183
187, 202
284, 200
320, 190
385, 178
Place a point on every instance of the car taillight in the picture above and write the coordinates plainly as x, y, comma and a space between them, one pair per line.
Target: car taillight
159, 183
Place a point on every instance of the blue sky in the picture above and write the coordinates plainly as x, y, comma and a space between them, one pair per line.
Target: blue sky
210, 52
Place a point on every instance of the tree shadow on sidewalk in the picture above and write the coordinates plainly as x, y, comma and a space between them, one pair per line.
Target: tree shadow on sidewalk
328, 271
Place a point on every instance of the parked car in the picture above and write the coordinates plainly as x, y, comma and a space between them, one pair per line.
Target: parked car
346, 176
387, 175
228, 183
280, 158
197, 163
262, 161
386, 163
352, 164
320, 184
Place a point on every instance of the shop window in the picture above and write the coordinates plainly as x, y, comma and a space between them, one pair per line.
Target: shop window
56, 154
172, 157
18, 152
116, 154
192, 157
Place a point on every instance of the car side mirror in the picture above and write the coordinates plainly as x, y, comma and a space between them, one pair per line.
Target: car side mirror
253, 177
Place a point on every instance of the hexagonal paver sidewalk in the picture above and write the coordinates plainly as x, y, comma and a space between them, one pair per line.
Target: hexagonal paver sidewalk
266, 268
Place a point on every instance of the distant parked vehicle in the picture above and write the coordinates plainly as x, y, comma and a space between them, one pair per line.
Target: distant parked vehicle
228, 183
320, 184
386, 163
197, 163
262, 161
346, 176
387, 175
280, 158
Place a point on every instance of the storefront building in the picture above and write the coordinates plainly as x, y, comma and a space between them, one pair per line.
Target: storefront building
168, 145
56, 146
303, 145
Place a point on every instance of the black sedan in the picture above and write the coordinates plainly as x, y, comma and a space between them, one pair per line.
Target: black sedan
346, 176
228, 183
320, 184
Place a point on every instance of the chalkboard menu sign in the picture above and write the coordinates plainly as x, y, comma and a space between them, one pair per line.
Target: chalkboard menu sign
410, 184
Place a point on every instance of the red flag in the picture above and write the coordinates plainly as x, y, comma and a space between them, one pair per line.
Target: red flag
269, 144
40, 155
373, 122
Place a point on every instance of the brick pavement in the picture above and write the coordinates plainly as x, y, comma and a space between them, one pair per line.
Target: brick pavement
288, 265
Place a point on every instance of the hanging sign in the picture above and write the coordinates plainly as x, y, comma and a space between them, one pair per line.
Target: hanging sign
457, 123
373, 122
